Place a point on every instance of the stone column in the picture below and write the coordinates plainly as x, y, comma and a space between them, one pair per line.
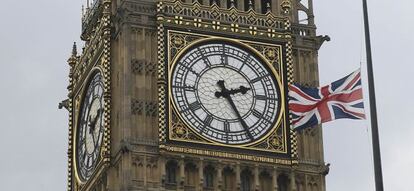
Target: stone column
182, 174
162, 172
219, 177
256, 177
240, 5
310, 15
145, 171
223, 3
275, 176
258, 6
238, 176
275, 7
293, 181
201, 174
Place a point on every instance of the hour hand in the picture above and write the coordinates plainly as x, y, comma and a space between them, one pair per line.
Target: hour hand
243, 90
224, 92
220, 83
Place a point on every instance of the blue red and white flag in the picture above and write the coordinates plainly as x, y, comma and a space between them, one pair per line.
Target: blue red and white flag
313, 106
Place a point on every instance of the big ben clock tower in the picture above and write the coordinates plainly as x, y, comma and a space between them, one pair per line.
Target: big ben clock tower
192, 95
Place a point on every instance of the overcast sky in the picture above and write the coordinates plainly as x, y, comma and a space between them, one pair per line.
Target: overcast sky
36, 39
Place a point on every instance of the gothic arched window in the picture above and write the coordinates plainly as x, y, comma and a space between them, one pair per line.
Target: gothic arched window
209, 177
266, 4
171, 172
247, 4
190, 174
229, 179
246, 180
282, 182
265, 181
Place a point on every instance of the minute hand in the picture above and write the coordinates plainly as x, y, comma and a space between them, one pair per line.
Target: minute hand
226, 93
246, 128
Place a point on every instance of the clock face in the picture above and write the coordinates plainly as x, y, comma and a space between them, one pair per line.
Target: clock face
90, 130
225, 93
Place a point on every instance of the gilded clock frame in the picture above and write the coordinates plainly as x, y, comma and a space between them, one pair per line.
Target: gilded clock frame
80, 99
216, 22
172, 61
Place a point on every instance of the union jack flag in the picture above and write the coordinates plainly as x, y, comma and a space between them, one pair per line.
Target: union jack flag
313, 106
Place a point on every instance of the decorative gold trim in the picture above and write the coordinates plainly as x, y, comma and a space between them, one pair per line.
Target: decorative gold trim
290, 78
80, 97
215, 18
227, 155
172, 60
162, 80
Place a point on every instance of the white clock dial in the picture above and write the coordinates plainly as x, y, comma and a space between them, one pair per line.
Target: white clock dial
90, 129
225, 93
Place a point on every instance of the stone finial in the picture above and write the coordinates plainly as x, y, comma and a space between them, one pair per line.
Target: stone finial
250, 5
74, 50
232, 4
268, 7
74, 57
286, 6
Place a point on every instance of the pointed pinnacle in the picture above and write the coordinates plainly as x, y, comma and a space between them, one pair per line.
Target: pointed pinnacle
74, 50
268, 7
232, 3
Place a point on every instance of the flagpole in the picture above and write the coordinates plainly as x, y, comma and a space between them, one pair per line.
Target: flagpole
373, 106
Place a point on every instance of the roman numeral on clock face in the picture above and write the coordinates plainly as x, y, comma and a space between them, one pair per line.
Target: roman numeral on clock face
261, 97
257, 113
208, 120
259, 78
195, 106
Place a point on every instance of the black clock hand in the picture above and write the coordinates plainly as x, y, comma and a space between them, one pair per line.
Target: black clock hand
94, 127
226, 94
93, 140
241, 89
92, 124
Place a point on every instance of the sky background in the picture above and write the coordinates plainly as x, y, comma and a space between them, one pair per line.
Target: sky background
36, 40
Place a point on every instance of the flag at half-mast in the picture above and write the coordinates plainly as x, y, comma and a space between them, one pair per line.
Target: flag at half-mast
311, 106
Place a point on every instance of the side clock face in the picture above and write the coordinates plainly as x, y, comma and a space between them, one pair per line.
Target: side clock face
90, 130
225, 93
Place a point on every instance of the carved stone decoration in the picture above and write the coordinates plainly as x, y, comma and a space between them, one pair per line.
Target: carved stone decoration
143, 67
221, 19
137, 160
137, 66
150, 69
137, 107
151, 109
141, 107
181, 132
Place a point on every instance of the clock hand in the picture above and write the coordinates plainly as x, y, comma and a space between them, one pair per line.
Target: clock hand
226, 94
92, 130
243, 90
93, 140
92, 124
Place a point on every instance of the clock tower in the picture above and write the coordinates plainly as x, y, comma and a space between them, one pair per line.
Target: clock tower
192, 95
